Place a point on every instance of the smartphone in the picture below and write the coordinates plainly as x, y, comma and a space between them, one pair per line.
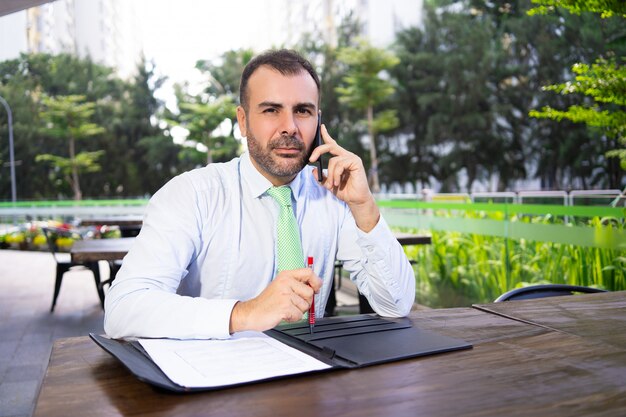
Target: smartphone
318, 142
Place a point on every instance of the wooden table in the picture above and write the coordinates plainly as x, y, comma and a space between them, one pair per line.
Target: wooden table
515, 369
113, 221
600, 316
407, 239
101, 249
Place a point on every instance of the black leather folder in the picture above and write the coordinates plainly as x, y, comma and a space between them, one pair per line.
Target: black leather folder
342, 342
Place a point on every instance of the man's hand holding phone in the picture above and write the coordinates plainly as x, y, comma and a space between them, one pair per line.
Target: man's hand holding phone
346, 178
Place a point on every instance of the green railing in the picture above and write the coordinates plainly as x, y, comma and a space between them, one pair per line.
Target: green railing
512, 221
73, 203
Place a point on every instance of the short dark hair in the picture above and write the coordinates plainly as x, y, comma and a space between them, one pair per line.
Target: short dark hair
285, 61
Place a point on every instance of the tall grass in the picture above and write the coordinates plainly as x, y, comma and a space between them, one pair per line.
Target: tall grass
461, 269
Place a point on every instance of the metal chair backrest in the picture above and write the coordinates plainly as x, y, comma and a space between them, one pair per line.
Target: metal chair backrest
545, 290
52, 233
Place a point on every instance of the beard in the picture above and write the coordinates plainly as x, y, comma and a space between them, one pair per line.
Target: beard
278, 166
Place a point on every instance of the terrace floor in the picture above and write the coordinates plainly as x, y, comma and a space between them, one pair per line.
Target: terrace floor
28, 329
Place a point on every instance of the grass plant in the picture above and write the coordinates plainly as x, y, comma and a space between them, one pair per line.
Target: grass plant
460, 269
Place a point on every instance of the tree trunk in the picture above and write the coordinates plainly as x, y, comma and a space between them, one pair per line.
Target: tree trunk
78, 195
373, 174
209, 156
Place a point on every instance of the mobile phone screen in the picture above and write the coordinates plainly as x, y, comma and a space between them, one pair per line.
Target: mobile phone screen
318, 142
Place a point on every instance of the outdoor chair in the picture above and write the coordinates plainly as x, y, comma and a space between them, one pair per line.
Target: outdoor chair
544, 290
65, 264
114, 267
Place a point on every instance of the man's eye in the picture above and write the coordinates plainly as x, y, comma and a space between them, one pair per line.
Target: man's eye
269, 110
303, 111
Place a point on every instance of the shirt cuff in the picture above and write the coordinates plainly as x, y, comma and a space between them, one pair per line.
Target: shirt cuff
380, 234
213, 318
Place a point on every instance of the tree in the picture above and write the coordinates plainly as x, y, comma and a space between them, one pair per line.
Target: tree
606, 8
340, 120
604, 81
364, 88
533, 52
67, 117
202, 120
223, 74
140, 156
206, 115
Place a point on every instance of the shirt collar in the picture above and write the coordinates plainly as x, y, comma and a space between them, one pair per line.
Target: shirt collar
259, 184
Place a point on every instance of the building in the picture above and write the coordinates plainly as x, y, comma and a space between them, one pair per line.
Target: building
104, 30
288, 20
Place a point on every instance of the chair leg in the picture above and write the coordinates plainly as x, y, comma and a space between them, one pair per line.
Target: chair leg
93, 266
61, 270
364, 305
332, 301
113, 268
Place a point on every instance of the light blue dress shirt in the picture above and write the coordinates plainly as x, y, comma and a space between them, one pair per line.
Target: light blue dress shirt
208, 241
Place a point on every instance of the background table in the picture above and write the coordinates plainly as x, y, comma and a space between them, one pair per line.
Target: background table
113, 221
110, 250
515, 369
407, 239
94, 250
130, 226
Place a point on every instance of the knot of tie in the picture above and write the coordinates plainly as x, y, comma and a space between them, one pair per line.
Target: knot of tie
281, 194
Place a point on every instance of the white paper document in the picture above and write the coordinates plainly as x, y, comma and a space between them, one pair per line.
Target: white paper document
246, 357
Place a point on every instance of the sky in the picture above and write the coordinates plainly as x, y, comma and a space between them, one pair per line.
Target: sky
178, 33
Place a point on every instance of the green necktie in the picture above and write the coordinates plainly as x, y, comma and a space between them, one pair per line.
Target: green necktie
288, 244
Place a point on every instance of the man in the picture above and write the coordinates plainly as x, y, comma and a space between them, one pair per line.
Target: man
205, 263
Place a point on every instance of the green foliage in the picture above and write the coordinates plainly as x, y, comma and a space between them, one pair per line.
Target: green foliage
363, 85
202, 119
224, 73
126, 110
341, 121
447, 96
85, 161
606, 8
604, 81
460, 269
366, 86
202, 114
385, 121
67, 118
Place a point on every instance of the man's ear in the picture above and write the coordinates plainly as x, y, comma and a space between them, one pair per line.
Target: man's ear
241, 120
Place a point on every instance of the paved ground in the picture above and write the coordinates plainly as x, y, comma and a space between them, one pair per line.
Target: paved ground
28, 329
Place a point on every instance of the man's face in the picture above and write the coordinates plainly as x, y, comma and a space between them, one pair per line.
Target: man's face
280, 122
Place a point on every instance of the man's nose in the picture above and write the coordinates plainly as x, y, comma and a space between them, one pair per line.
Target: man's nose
288, 124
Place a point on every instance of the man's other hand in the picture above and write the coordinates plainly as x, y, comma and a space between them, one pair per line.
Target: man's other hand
287, 298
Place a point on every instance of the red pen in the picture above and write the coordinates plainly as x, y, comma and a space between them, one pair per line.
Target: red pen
309, 264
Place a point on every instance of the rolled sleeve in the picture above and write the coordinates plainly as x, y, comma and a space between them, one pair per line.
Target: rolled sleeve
382, 272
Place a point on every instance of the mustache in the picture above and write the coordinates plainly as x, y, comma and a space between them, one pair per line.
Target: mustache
286, 141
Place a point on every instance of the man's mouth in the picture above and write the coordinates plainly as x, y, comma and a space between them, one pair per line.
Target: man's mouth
282, 151
287, 147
